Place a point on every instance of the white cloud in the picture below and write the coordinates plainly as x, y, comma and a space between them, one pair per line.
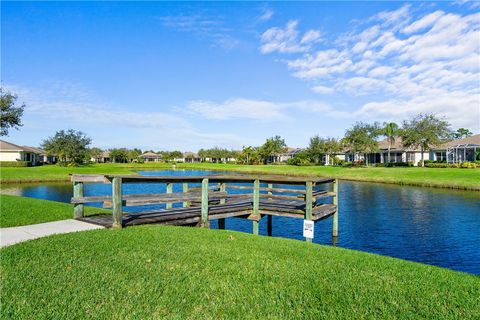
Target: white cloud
62, 105
403, 62
323, 90
212, 28
460, 108
258, 110
288, 40
425, 22
236, 108
311, 36
267, 14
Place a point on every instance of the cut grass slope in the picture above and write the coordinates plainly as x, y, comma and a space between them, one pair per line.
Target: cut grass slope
427, 177
170, 272
19, 211
431, 177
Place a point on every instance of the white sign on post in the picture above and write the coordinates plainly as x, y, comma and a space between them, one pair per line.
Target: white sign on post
308, 229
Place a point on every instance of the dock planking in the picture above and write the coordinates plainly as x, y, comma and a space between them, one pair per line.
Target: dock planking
213, 200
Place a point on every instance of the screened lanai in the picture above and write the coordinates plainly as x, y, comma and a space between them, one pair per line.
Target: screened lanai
462, 153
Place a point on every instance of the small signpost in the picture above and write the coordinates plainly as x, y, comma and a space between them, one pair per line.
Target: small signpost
308, 227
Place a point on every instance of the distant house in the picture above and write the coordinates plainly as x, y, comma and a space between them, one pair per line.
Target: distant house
13, 152
103, 158
284, 156
457, 151
179, 159
43, 155
151, 157
191, 157
398, 153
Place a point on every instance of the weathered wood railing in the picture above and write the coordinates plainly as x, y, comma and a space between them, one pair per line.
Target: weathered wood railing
212, 200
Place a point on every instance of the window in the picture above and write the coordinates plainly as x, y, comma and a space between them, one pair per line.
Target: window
441, 156
410, 157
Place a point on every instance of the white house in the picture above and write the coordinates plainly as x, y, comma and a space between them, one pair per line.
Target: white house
151, 157
103, 158
13, 152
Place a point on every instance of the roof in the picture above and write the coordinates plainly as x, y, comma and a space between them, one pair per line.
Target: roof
4, 145
397, 145
189, 154
105, 154
34, 150
149, 154
473, 140
289, 152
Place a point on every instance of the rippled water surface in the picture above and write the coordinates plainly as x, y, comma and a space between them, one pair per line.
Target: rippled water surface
433, 226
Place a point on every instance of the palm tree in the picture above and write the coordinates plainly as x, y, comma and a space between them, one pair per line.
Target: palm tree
391, 131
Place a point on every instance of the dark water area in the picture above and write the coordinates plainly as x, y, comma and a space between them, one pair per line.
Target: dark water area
434, 226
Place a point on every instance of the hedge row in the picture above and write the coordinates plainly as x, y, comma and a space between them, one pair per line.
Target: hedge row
464, 165
15, 163
395, 164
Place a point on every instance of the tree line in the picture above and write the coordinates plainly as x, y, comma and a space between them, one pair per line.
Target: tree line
423, 132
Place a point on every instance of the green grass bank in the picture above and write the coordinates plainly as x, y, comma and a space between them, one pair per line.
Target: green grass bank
468, 179
177, 272
20, 211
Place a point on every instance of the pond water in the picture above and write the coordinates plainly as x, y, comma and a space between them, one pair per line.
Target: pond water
433, 226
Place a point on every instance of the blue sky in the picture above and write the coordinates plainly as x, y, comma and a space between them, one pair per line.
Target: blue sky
163, 76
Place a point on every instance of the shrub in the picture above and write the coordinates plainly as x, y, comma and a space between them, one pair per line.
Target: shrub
395, 164
436, 165
346, 164
468, 165
442, 164
298, 161
15, 163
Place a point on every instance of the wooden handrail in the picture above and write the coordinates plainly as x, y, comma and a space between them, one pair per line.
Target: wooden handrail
277, 179
212, 201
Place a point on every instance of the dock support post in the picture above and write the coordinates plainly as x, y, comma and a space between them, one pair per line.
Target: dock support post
117, 202
335, 215
269, 217
256, 205
308, 203
185, 190
77, 193
204, 222
221, 222
169, 190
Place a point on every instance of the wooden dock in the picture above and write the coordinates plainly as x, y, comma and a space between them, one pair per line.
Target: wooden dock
218, 197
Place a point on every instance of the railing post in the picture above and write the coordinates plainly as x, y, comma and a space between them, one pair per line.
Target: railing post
221, 222
269, 217
335, 215
169, 190
77, 193
117, 202
204, 221
185, 190
256, 205
308, 204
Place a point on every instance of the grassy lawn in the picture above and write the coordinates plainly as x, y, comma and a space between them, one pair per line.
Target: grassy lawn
56, 173
178, 272
19, 211
432, 177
